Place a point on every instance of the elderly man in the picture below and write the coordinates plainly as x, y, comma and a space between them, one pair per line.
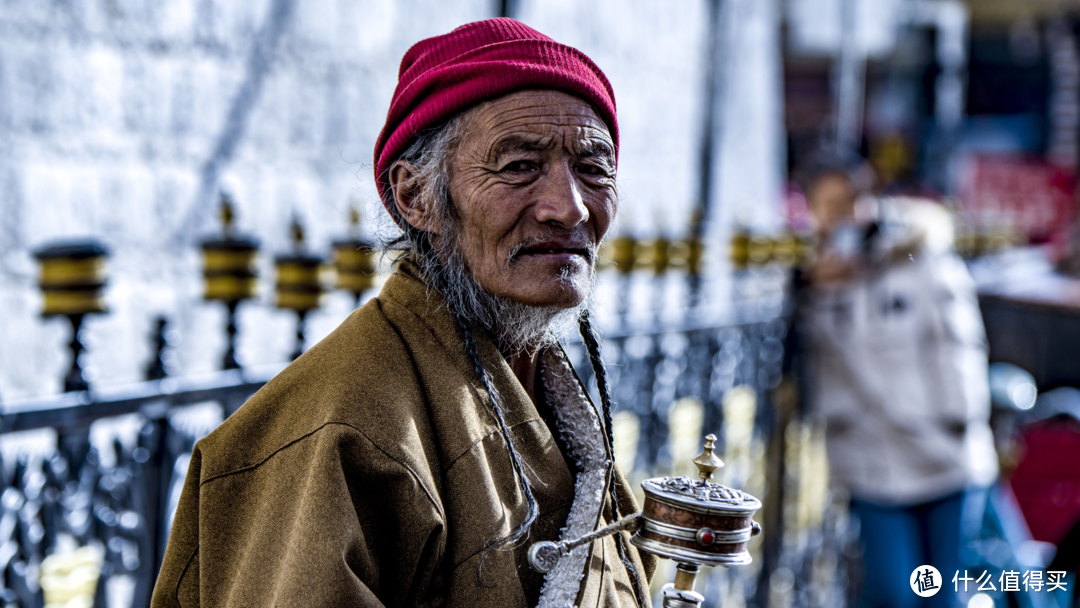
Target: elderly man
413, 456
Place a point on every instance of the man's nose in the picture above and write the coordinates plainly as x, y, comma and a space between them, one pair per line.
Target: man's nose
560, 198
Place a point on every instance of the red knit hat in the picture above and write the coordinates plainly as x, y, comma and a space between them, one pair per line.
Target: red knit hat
444, 75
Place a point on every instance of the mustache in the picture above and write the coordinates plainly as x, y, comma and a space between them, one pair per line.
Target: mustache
571, 241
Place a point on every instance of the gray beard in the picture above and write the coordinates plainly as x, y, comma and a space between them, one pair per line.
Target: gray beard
515, 327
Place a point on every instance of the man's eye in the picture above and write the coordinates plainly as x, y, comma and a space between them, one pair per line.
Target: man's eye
518, 166
592, 170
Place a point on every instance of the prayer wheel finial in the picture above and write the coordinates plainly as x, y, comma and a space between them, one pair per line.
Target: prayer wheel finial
229, 273
227, 214
354, 221
297, 233
706, 461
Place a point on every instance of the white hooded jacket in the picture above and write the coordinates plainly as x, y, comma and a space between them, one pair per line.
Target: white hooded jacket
899, 365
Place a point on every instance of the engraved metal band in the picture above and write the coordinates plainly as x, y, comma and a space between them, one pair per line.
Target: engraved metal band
690, 555
741, 535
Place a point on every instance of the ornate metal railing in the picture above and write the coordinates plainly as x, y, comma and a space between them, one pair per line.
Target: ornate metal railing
70, 494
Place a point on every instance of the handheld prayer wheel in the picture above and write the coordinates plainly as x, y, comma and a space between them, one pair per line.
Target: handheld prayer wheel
354, 260
297, 287
72, 280
694, 522
229, 273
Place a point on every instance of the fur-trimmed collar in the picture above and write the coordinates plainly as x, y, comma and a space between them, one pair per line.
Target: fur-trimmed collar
581, 432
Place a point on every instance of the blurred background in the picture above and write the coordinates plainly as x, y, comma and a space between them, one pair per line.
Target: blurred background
187, 202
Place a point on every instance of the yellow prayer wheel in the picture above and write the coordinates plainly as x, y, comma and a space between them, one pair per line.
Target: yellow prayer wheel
354, 262
965, 242
654, 254
229, 273
695, 254
72, 278
622, 253
297, 286
804, 250
760, 249
740, 249
784, 247
687, 254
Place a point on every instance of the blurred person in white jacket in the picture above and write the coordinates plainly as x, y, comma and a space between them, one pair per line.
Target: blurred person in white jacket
899, 377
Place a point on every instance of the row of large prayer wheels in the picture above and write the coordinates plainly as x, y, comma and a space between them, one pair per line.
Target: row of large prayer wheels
785, 249
229, 267
625, 254
73, 275
789, 249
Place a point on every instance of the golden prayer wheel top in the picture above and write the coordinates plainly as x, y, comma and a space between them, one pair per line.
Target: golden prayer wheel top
706, 461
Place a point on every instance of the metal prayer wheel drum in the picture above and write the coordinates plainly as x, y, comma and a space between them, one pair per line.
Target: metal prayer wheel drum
696, 521
654, 254
72, 278
740, 249
298, 287
229, 273
619, 253
354, 261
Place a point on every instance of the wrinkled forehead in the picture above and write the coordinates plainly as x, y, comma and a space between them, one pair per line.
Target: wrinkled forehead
537, 121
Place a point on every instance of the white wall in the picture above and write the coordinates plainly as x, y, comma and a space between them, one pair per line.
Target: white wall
115, 123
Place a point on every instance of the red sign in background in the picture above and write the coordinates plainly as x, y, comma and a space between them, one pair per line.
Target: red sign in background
1047, 480
1034, 198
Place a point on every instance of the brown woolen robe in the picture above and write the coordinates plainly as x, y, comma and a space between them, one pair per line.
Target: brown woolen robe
371, 472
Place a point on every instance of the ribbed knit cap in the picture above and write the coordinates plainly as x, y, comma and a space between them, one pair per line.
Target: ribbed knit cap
444, 75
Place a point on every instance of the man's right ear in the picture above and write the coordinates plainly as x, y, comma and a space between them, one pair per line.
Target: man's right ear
412, 207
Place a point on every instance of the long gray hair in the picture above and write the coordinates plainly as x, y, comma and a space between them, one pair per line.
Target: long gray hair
513, 326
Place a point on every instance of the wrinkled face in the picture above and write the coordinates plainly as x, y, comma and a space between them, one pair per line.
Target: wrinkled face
533, 185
